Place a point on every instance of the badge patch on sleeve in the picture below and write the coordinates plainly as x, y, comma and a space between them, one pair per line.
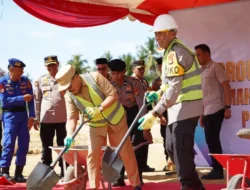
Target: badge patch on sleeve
173, 69
136, 91
2, 88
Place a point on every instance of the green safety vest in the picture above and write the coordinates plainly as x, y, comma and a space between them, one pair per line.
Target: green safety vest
111, 115
191, 84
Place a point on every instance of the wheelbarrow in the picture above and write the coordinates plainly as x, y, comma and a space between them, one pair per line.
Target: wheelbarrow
76, 175
238, 170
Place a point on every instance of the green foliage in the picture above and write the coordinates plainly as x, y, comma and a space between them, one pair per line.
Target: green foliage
128, 59
79, 64
107, 55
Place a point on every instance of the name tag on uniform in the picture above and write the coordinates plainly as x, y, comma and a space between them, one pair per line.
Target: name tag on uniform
46, 88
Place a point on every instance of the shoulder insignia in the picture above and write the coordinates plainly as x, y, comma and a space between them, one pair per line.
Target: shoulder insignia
173, 69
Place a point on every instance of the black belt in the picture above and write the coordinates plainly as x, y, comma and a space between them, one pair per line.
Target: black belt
15, 109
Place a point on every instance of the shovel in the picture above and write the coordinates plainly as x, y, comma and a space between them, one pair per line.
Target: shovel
111, 162
44, 177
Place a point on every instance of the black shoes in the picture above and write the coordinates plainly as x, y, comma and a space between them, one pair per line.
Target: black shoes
20, 179
119, 182
137, 188
147, 169
214, 174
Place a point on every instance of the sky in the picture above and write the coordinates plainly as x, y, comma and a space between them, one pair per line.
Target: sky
29, 39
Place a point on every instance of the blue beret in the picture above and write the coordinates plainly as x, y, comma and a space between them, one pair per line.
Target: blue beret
117, 65
16, 63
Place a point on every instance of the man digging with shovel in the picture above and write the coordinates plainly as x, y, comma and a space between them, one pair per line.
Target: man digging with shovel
94, 94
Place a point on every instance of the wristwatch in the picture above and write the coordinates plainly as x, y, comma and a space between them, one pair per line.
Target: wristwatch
100, 108
227, 107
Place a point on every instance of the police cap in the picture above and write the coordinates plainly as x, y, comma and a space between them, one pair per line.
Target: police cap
117, 65
101, 61
49, 60
138, 63
159, 61
13, 62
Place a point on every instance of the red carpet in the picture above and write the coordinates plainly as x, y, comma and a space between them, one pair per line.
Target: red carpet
147, 186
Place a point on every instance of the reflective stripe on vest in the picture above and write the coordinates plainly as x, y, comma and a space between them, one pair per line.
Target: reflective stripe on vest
112, 115
191, 84
97, 121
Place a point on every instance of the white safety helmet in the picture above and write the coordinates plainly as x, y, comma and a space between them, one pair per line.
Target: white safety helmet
164, 22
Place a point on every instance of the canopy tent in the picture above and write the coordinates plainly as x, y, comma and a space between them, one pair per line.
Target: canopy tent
87, 13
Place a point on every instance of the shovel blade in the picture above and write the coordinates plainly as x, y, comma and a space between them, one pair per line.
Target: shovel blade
111, 165
42, 177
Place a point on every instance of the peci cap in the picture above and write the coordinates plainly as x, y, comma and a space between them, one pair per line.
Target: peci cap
64, 77
159, 61
117, 65
101, 61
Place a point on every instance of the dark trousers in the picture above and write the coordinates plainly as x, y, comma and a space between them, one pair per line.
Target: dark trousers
212, 127
47, 133
137, 138
1, 134
180, 146
163, 135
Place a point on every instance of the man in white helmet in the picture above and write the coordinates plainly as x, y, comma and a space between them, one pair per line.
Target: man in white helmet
181, 95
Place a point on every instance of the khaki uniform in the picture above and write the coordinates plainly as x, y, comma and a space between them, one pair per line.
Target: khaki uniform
51, 113
50, 105
213, 75
97, 136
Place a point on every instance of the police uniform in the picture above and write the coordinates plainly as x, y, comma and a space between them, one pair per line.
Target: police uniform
156, 86
15, 119
50, 112
142, 153
131, 97
181, 75
110, 121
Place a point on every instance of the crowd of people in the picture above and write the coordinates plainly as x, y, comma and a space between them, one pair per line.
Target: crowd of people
110, 100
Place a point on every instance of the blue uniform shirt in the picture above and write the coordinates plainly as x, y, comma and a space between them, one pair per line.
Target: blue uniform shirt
12, 93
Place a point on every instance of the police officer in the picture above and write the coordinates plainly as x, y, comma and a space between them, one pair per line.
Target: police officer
164, 119
102, 67
94, 94
139, 68
216, 102
15, 94
180, 93
50, 111
130, 94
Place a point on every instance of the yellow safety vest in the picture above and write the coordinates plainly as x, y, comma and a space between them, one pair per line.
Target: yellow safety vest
111, 115
191, 84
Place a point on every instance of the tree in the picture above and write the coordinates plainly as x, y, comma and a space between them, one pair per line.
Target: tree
148, 52
79, 64
108, 55
128, 59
